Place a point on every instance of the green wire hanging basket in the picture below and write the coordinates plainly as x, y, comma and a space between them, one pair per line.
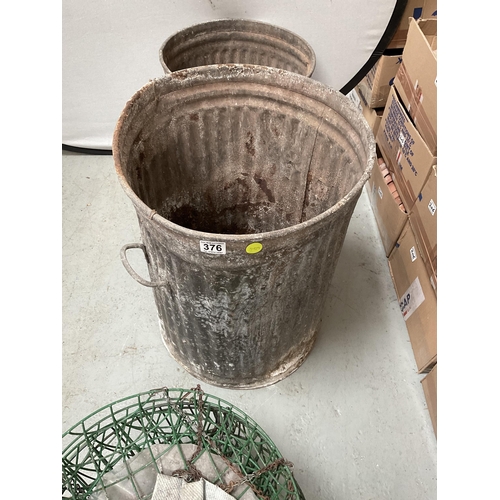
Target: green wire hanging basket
124, 446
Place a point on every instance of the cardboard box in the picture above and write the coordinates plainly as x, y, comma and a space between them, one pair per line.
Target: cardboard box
429, 385
372, 116
375, 86
417, 299
416, 79
429, 10
389, 217
405, 152
423, 219
414, 9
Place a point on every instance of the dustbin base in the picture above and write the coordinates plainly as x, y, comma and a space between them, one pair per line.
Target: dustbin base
285, 369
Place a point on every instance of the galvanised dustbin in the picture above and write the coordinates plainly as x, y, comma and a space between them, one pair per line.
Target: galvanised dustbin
240, 41
244, 180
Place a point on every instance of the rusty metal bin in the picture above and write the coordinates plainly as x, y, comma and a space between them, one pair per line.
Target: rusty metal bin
244, 180
240, 41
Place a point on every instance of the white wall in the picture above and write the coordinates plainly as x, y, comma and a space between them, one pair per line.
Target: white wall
110, 47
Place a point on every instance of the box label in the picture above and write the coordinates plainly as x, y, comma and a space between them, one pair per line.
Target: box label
353, 96
413, 254
411, 299
432, 207
396, 131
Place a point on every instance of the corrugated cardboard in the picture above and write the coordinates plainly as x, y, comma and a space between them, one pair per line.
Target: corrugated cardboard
416, 79
390, 218
375, 86
372, 116
423, 219
406, 154
429, 10
414, 9
416, 297
429, 385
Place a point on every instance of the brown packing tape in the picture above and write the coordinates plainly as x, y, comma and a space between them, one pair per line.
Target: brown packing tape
404, 78
404, 188
426, 131
415, 108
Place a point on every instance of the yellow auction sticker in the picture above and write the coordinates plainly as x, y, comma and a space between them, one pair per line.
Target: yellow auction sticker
254, 247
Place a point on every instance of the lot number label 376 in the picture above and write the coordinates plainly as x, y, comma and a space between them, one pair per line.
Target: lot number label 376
215, 247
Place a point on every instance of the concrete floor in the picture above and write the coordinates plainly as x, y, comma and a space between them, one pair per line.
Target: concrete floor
352, 418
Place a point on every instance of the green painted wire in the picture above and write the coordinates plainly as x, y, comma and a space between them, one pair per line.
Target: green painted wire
119, 430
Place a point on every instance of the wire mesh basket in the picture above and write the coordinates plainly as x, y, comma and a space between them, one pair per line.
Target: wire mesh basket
118, 451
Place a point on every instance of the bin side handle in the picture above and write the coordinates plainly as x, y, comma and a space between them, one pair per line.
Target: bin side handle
128, 267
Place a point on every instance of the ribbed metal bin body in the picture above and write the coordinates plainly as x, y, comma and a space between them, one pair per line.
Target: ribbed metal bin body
237, 156
239, 41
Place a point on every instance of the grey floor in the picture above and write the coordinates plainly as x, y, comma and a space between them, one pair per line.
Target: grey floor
352, 418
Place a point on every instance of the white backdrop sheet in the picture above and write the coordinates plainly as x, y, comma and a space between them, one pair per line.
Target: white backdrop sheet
110, 48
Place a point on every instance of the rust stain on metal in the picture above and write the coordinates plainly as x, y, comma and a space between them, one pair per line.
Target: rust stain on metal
263, 185
249, 144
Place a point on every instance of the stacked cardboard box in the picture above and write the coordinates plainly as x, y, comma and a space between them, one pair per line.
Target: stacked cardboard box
372, 116
417, 298
389, 214
375, 86
406, 137
416, 79
423, 220
370, 95
416, 9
